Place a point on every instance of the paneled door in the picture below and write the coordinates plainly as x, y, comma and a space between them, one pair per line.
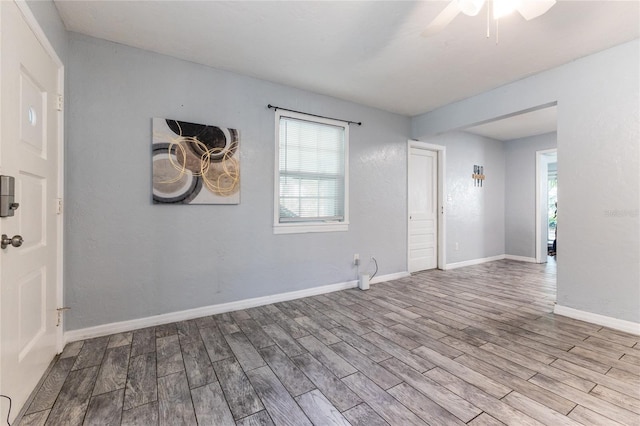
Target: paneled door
29, 131
423, 209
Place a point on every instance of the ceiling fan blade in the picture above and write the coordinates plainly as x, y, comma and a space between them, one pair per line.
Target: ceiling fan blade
443, 19
470, 7
530, 9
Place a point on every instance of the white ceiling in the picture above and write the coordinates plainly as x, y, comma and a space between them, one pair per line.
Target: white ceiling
369, 52
518, 126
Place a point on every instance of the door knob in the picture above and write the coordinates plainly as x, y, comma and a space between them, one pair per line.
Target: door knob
16, 241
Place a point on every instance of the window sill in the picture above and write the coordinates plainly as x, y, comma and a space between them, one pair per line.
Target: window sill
296, 228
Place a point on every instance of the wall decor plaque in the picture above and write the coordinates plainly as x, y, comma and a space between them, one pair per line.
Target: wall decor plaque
195, 163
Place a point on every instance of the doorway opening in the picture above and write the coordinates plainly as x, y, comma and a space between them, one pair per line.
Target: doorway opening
552, 207
546, 204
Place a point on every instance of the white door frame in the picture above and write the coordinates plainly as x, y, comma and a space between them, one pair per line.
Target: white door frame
541, 176
31, 20
441, 151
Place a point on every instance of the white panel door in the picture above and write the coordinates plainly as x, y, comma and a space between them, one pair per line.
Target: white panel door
28, 152
423, 209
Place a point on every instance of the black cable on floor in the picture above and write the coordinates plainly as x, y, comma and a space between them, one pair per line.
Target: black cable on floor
9, 413
376, 263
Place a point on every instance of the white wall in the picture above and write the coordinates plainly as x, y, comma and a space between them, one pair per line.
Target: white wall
520, 193
127, 258
475, 215
598, 169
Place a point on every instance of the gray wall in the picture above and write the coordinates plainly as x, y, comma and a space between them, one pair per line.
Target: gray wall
127, 258
475, 215
520, 193
598, 166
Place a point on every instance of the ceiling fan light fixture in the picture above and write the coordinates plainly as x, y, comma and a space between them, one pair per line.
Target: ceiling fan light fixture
529, 9
470, 7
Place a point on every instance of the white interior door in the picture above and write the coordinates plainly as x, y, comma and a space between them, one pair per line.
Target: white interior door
29, 152
423, 209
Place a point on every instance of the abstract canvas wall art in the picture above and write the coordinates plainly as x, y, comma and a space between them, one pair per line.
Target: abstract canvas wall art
195, 163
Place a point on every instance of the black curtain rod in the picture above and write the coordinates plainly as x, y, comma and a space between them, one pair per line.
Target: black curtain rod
359, 123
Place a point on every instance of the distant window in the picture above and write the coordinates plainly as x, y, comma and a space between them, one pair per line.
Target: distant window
311, 187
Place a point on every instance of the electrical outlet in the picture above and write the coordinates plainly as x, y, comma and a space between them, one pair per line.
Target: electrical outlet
356, 259
457, 246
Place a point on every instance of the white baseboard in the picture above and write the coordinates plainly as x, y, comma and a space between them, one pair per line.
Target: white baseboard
490, 259
520, 258
389, 277
610, 322
122, 326
474, 262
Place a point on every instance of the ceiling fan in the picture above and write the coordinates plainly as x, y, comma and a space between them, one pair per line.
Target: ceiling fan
529, 9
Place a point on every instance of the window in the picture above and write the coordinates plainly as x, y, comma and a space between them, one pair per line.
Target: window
311, 185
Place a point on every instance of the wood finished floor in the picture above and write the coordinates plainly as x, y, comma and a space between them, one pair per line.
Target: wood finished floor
477, 345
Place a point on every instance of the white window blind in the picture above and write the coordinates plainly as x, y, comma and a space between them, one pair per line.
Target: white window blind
312, 157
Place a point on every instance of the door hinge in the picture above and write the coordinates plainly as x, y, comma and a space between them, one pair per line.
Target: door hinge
59, 206
60, 312
60, 102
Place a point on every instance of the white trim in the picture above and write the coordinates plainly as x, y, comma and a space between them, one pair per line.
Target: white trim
389, 277
296, 228
122, 326
521, 258
541, 255
37, 30
60, 214
306, 227
475, 261
31, 20
442, 189
605, 321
